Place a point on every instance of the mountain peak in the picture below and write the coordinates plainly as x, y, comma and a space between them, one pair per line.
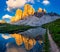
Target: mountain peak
28, 11
40, 10
18, 12
44, 10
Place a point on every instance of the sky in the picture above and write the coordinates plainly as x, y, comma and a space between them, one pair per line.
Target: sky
8, 7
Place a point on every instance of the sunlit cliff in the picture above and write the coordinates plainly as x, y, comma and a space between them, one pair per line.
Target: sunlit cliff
17, 16
28, 11
40, 10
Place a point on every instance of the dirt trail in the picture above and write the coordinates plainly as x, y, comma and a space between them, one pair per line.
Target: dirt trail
54, 47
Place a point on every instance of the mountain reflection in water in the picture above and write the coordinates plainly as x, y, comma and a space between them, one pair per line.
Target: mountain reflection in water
28, 41
12, 46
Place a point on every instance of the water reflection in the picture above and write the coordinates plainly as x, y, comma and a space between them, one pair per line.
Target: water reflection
34, 32
36, 48
28, 42
18, 38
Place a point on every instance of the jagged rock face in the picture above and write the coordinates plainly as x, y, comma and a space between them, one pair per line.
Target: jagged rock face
24, 15
17, 16
35, 21
38, 14
12, 19
32, 18
28, 10
40, 10
18, 13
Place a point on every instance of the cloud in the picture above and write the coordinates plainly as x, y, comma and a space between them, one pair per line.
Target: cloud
14, 4
11, 4
46, 2
7, 16
6, 36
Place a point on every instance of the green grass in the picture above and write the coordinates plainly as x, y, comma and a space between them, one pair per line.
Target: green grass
54, 28
46, 43
8, 28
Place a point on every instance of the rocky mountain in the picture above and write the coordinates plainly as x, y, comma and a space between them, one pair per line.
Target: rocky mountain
35, 21
28, 10
31, 17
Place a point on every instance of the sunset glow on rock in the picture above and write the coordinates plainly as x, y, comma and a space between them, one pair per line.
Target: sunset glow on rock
17, 16
40, 10
28, 10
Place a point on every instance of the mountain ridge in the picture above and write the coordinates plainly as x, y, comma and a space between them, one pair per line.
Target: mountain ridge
36, 21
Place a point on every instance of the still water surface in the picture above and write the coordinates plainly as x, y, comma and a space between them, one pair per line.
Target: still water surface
9, 44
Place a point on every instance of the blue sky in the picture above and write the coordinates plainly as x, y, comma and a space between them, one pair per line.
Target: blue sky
52, 6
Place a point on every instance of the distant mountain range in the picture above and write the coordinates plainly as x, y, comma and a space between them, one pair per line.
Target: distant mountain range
38, 19
40, 14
